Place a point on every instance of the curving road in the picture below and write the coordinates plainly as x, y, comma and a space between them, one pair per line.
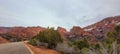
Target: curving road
14, 48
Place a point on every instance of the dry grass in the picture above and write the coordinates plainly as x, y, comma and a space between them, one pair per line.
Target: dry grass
2, 40
42, 50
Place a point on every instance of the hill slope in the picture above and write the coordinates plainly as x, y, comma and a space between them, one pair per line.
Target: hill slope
100, 28
2, 40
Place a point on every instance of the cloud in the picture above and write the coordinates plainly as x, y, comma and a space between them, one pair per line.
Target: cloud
65, 13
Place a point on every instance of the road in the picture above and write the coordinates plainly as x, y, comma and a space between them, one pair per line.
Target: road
14, 48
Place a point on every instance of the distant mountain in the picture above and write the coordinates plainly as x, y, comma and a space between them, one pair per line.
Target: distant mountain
97, 30
74, 31
24, 32
4, 30
100, 28
62, 31
21, 32
77, 31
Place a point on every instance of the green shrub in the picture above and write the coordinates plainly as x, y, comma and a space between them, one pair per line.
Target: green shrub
49, 36
32, 41
82, 44
113, 36
85, 51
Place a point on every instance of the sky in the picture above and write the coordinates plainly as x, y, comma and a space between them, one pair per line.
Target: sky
53, 13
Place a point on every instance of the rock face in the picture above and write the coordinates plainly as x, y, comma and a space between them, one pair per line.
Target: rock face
24, 33
62, 31
97, 30
3, 30
76, 30
76, 33
100, 28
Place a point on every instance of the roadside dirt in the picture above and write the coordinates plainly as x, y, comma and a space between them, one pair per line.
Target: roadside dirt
42, 50
2, 40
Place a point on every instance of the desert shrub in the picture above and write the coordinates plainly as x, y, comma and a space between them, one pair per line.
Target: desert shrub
110, 44
11, 38
65, 48
113, 35
97, 46
32, 41
17, 39
85, 51
117, 33
49, 36
110, 38
81, 43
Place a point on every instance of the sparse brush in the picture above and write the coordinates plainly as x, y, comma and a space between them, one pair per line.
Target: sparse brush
65, 48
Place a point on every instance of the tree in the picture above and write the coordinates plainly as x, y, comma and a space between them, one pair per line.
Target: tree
82, 43
110, 38
117, 33
49, 36
113, 38
32, 41
114, 35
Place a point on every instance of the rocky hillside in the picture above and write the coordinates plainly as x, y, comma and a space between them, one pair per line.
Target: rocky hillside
100, 28
21, 32
77, 31
28, 32
3, 30
62, 31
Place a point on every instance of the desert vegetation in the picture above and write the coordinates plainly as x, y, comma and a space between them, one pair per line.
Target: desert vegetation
51, 38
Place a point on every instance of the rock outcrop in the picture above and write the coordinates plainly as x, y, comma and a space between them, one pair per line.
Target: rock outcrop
62, 31
3, 30
97, 30
24, 33
77, 31
102, 27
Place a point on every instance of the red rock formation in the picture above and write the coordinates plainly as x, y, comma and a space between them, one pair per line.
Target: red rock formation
3, 30
76, 30
24, 33
100, 28
62, 31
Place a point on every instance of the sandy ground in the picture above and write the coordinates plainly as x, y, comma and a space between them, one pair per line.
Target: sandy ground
2, 40
42, 50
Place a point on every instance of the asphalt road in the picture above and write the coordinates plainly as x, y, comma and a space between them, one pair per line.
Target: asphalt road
14, 48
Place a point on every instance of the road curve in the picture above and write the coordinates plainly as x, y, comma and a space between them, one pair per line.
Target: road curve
14, 48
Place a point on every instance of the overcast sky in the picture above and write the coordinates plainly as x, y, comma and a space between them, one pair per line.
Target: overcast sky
64, 13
